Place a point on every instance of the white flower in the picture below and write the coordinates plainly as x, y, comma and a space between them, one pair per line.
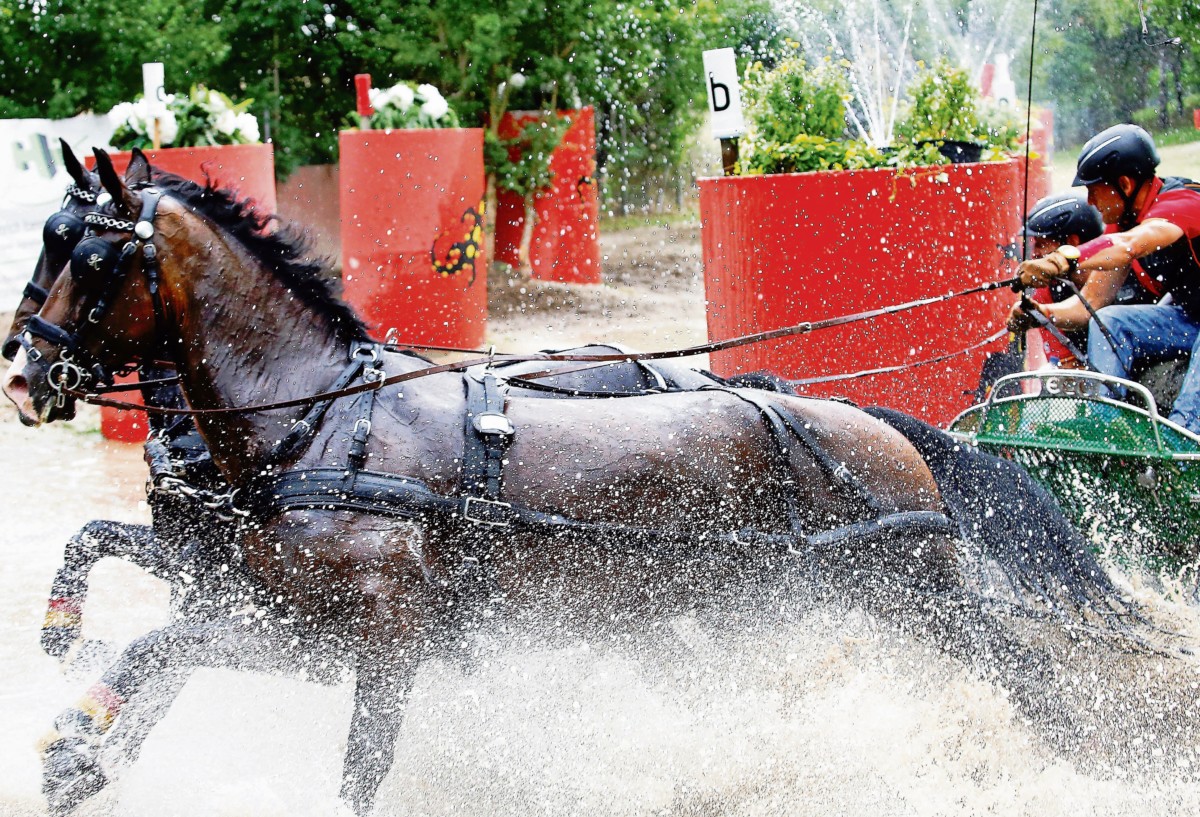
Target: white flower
517, 80
168, 127
428, 92
402, 96
247, 125
121, 114
226, 122
377, 98
435, 107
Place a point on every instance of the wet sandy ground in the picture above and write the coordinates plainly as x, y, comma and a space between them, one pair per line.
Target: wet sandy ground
794, 708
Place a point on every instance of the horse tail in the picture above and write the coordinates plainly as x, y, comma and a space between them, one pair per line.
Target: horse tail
1014, 522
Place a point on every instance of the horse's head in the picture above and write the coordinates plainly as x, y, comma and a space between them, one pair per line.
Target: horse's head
59, 237
103, 313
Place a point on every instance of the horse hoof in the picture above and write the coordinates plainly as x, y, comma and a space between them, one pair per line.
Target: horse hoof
57, 641
70, 775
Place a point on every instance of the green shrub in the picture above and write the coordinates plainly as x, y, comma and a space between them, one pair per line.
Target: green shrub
792, 100
1148, 118
943, 106
796, 121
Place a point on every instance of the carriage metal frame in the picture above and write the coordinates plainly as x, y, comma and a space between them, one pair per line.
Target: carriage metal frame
1124, 473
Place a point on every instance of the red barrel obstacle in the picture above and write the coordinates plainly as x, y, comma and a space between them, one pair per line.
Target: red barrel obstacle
783, 249
565, 245
248, 170
412, 233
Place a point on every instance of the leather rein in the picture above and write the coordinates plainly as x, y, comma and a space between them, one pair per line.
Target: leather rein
490, 358
67, 377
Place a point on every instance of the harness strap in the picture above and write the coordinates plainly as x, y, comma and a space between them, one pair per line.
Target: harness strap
407, 498
486, 437
303, 429
779, 419
357, 455
35, 293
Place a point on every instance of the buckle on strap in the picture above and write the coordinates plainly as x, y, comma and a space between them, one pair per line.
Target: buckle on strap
487, 511
493, 422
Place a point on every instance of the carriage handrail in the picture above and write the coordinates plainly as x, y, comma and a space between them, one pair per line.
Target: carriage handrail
491, 357
1043, 376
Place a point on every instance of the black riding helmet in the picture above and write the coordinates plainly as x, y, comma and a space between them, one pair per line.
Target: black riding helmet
1061, 216
1122, 150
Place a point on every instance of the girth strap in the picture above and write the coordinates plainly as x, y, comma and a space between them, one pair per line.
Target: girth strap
407, 498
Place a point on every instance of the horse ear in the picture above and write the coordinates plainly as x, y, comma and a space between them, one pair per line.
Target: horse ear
111, 181
75, 167
138, 171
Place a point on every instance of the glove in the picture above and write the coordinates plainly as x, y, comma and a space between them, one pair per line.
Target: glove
1018, 317
1038, 271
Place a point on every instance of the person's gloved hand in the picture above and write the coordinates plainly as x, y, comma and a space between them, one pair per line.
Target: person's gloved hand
1018, 316
1038, 272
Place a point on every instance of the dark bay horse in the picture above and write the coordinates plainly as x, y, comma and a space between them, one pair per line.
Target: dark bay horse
192, 545
364, 522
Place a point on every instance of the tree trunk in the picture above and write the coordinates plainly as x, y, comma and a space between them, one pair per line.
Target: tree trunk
527, 233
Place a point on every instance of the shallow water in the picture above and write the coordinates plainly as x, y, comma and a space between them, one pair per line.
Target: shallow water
791, 707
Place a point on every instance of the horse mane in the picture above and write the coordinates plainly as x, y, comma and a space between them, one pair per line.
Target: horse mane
284, 251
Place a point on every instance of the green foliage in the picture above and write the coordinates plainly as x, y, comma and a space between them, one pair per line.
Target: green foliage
636, 61
796, 117
792, 99
522, 164
943, 106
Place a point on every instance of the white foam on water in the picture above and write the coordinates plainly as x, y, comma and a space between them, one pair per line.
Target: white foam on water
820, 710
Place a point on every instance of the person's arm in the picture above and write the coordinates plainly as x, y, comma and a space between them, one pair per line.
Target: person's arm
1112, 252
1105, 261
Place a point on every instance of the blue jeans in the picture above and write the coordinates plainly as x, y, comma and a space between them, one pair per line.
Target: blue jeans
1150, 334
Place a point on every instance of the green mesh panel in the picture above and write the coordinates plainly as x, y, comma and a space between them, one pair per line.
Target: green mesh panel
1102, 462
1086, 426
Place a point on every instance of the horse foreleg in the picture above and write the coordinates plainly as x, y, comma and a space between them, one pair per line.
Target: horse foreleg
380, 689
150, 673
96, 540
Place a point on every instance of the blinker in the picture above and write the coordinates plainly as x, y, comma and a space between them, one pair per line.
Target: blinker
94, 257
62, 232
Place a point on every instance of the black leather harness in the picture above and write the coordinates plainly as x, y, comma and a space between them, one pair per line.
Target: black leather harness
487, 434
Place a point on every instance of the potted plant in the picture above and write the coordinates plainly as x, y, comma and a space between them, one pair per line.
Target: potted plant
412, 202
544, 167
203, 136
944, 112
818, 224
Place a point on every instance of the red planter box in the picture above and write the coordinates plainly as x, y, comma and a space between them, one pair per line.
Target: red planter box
247, 169
565, 245
412, 233
783, 249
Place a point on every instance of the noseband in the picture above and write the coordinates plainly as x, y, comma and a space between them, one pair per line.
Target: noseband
97, 258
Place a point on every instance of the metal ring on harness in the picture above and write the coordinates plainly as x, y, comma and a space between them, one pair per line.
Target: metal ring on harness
66, 374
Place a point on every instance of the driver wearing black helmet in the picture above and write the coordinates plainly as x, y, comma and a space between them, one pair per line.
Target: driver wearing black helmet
1152, 221
1058, 219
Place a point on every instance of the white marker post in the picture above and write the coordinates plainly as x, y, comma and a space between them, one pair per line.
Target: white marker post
156, 98
724, 103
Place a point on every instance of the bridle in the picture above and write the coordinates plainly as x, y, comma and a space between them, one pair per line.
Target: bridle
60, 235
96, 257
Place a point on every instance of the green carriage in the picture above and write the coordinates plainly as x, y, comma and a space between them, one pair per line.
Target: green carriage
1127, 476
